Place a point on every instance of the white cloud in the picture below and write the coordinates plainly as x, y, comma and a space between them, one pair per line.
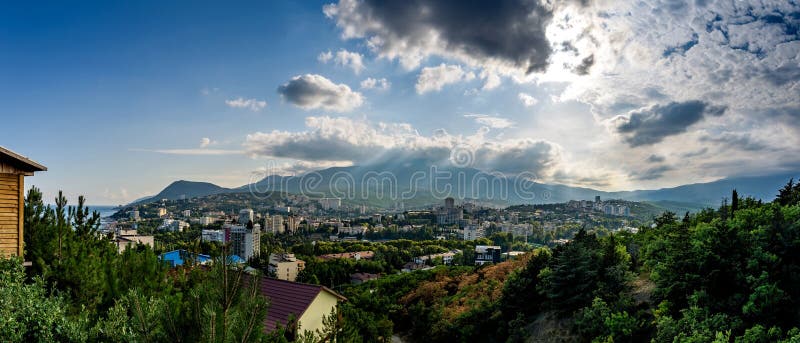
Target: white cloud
205, 142
346, 140
490, 121
251, 104
324, 57
527, 100
344, 58
434, 78
370, 83
311, 91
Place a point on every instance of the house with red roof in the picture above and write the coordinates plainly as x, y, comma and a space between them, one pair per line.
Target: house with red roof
307, 304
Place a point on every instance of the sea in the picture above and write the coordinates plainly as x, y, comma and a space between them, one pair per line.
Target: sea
105, 211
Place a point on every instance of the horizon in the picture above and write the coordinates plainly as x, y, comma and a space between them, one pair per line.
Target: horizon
119, 100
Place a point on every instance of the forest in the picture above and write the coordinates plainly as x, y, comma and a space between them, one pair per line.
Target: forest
728, 274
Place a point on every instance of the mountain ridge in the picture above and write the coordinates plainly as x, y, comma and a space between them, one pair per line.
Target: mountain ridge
406, 181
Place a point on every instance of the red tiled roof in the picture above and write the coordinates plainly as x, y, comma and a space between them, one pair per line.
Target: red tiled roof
287, 298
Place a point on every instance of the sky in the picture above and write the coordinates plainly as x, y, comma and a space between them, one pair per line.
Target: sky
119, 99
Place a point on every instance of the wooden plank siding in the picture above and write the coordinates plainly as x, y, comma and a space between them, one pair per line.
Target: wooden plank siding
11, 206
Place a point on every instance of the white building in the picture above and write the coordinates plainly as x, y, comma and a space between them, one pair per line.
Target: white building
186, 213
330, 204
213, 236
134, 215
285, 266
472, 233
275, 224
246, 216
245, 243
173, 225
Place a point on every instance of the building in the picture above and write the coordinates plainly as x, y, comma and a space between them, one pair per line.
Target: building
472, 233
186, 213
308, 304
449, 214
161, 212
130, 238
246, 216
447, 257
13, 170
292, 224
173, 225
213, 236
285, 266
487, 254
245, 243
330, 204
353, 230
275, 224
134, 215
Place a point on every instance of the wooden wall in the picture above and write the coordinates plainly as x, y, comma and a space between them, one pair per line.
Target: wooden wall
11, 209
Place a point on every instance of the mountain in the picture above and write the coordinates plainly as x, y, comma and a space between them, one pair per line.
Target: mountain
189, 189
419, 184
712, 193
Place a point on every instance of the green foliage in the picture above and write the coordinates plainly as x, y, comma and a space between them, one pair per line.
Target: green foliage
28, 313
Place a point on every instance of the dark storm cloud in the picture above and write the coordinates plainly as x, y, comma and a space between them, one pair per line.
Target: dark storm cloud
585, 66
312, 91
651, 125
695, 153
737, 141
512, 31
651, 173
655, 158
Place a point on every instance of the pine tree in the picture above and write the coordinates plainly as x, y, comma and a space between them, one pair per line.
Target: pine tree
734, 202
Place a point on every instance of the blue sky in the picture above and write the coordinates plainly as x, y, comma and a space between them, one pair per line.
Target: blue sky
121, 99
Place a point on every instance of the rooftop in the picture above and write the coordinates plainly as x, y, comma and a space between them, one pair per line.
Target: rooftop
19, 161
287, 298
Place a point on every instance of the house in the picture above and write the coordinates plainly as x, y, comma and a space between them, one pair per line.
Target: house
129, 238
308, 304
285, 266
13, 170
487, 254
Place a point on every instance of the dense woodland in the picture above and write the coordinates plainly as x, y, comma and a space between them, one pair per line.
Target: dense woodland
724, 275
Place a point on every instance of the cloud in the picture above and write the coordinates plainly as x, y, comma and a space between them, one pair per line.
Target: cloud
501, 34
311, 91
251, 104
324, 57
650, 125
205, 142
651, 173
527, 100
655, 158
434, 78
370, 83
356, 141
344, 58
736, 141
490, 121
